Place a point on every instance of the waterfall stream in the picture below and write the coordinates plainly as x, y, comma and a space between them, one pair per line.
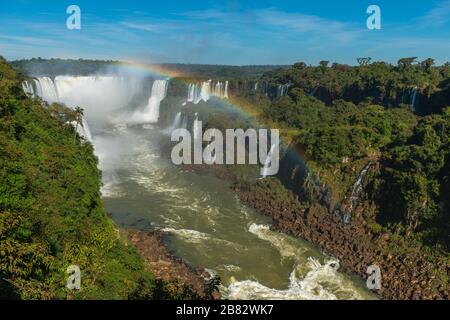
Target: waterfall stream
355, 194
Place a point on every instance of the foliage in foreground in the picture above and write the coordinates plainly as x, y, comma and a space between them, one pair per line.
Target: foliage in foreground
51, 212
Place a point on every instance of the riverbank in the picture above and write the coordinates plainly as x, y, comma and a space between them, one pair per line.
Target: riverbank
407, 273
174, 277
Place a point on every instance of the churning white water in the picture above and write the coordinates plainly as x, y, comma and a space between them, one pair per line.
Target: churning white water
309, 280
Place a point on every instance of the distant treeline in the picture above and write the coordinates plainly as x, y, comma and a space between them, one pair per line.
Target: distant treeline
81, 67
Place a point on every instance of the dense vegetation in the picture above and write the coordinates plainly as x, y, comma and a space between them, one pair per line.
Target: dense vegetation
51, 212
341, 117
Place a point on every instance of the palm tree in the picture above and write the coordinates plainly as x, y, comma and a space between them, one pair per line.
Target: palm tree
79, 112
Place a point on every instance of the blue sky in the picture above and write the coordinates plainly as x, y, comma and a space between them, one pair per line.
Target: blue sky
226, 32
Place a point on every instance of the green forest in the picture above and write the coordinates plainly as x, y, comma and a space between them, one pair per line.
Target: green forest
51, 211
342, 116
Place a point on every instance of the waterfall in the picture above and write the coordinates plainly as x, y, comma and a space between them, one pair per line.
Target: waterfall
265, 172
87, 130
197, 128
83, 130
282, 90
28, 88
46, 89
414, 96
225, 95
206, 90
218, 89
177, 121
193, 93
205, 93
184, 122
151, 112
197, 93
356, 191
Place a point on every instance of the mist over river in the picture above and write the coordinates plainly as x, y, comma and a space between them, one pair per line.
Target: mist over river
206, 224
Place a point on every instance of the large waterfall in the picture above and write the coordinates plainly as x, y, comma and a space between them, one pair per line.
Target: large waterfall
98, 95
150, 114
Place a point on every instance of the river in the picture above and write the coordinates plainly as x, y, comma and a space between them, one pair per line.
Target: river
207, 225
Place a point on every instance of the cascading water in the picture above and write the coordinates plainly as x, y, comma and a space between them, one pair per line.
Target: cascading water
197, 129
265, 171
184, 122
205, 93
414, 97
177, 121
355, 193
282, 90
151, 112
28, 88
225, 95
46, 89
87, 131
409, 96
218, 89
83, 130
205, 90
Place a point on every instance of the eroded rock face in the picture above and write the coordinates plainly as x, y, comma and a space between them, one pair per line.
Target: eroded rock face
296, 176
